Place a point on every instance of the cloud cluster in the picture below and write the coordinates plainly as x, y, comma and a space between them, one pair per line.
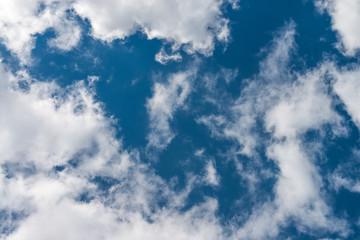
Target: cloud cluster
195, 25
21, 21
64, 175
288, 105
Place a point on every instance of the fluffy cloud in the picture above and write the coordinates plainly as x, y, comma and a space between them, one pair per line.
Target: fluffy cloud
305, 105
345, 20
194, 25
64, 175
50, 130
69, 220
21, 20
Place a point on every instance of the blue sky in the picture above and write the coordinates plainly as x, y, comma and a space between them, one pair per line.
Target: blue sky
211, 119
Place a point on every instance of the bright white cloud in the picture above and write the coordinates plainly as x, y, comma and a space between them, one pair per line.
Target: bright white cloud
50, 130
305, 105
43, 127
69, 220
345, 15
196, 24
21, 20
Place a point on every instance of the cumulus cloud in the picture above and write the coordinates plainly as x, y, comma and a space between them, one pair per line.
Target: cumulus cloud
305, 105
345, 20
93, 221
195, 25
20, 21
50, 130
64, 175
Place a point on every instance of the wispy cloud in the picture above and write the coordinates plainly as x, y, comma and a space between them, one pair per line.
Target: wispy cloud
167, 98
287, 104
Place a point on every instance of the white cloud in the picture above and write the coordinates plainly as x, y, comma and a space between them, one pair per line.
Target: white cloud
345, 15
347, 87
212, 177
68, 34
200, 152
346, 175
166, 100
305, 105
257, 96
163, 57
44, 126
340, 181
287, 104
196, 24
69, 220
302, 106
50, 130
21, 20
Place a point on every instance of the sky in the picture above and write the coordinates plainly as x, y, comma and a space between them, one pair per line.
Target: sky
179, 119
